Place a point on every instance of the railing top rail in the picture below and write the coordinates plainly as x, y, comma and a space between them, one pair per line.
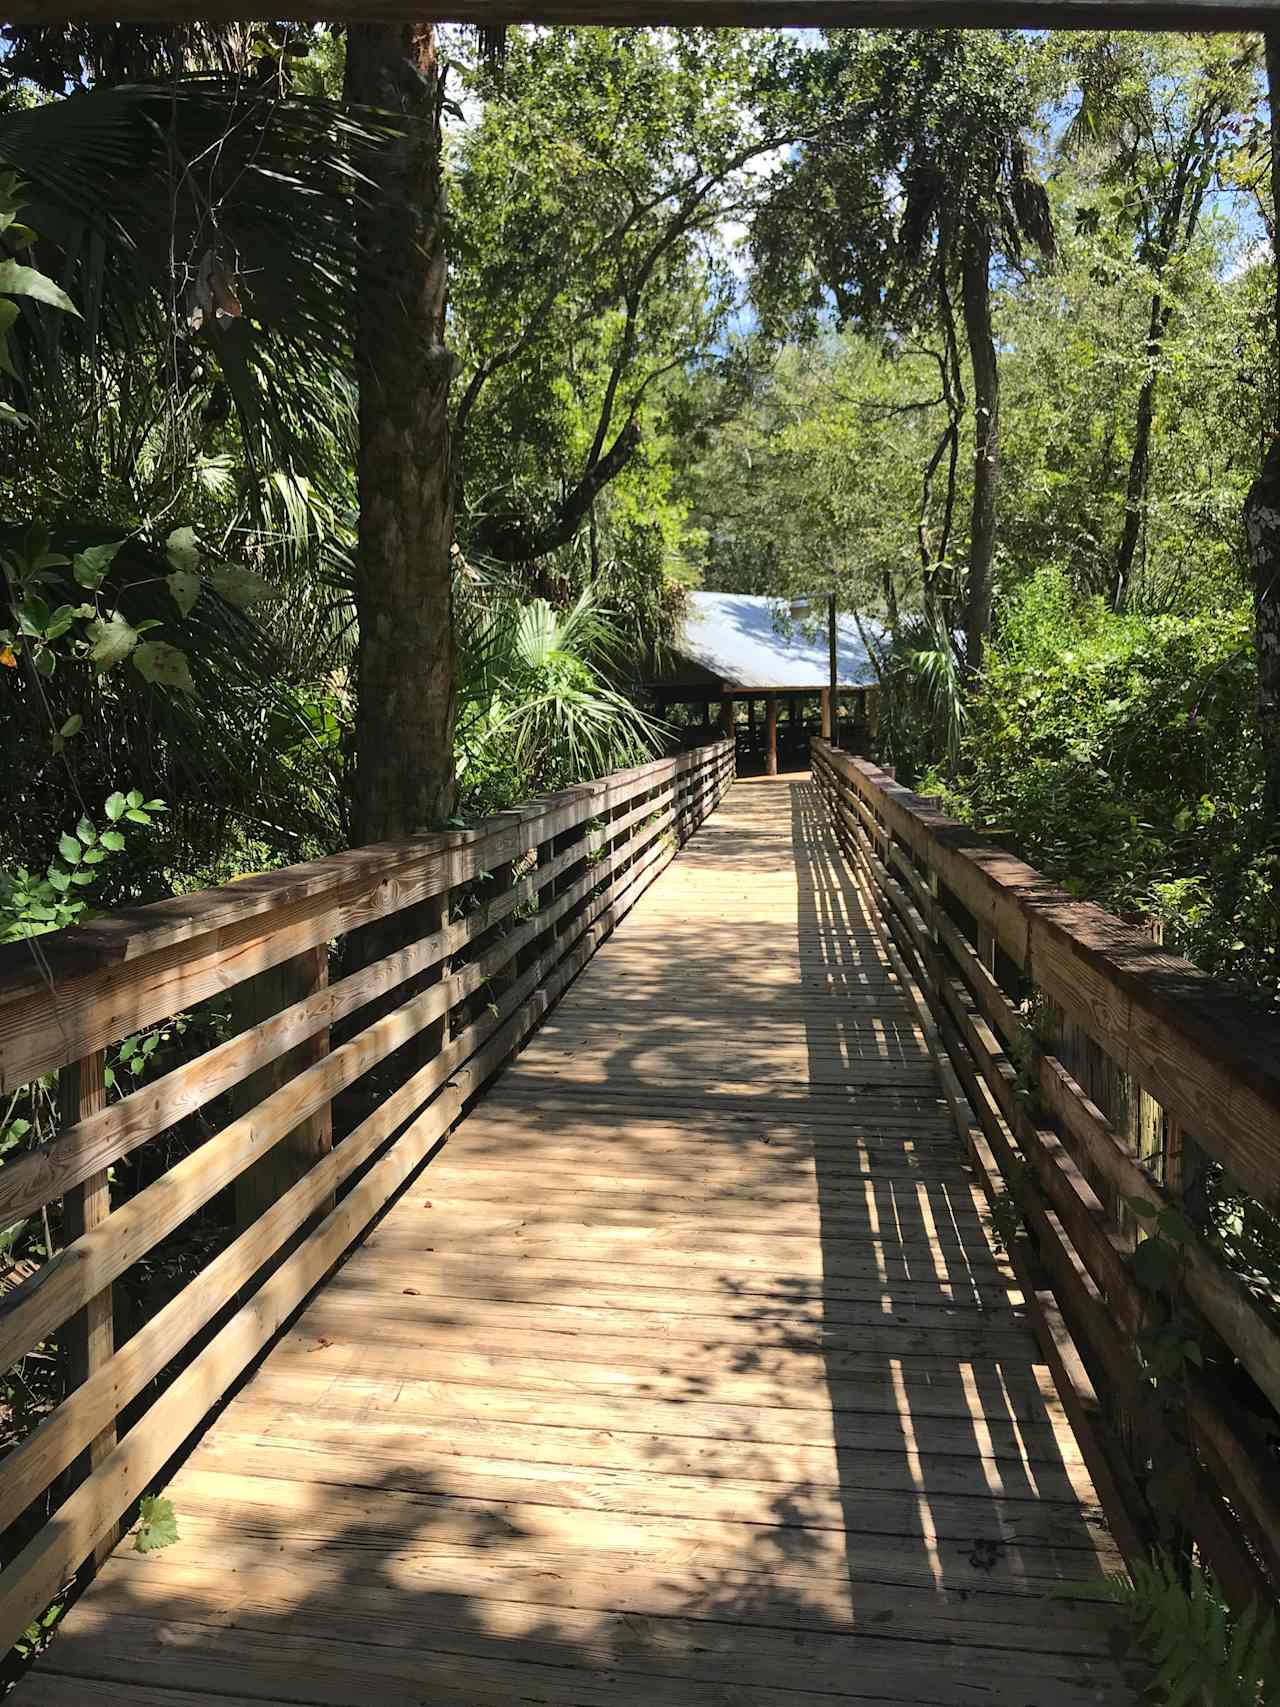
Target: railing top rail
1209, 1055
67, 993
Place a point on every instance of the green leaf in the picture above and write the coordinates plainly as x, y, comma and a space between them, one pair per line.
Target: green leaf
113, 840
182, 550
185, 588
157, 661
135, 815
112, 640
1140, 1207
82, 877
114, 810
61, 880
16, 280
69, 848
158, 1525
1153, 1264
71, 727
86, 832
1174, 1226
241, 586
90, 565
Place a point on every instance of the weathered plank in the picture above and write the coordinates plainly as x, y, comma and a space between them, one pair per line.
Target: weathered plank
681, 1382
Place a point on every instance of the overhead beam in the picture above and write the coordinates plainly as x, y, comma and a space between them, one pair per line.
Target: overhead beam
896, 14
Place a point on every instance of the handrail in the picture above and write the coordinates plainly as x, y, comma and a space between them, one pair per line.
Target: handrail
516, 907
1139, 1061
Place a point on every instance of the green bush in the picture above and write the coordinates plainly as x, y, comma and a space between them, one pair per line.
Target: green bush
1119, 754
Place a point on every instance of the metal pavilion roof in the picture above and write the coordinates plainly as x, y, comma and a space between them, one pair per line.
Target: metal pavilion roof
750, 641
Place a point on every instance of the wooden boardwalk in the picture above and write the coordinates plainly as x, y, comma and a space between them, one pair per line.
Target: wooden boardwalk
685, 1375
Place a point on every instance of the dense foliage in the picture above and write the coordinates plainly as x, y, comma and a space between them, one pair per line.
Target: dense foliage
1118, 753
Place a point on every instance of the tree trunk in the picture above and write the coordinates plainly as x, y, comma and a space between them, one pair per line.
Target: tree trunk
404, 720
976, 290
1139, 460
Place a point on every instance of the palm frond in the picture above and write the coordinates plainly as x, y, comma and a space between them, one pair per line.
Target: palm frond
214, 217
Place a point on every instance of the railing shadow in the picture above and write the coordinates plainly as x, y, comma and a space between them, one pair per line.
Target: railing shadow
826, 1469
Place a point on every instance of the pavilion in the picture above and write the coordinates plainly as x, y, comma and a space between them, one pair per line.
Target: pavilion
744, 648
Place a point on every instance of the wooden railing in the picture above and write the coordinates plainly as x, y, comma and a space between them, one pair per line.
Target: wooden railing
1168, 1358
456, 945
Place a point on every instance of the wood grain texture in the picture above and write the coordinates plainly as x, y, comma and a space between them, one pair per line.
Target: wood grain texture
592, 906
679, 1376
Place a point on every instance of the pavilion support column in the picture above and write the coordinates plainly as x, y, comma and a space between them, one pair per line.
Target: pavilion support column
828, 720
726, 719
771, 734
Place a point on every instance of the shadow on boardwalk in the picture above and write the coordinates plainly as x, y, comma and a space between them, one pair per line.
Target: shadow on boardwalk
686, 1375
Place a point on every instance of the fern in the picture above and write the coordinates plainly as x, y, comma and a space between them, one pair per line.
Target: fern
1203, 1657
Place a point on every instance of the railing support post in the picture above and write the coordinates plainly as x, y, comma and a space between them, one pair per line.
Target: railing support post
90, 1334
286, 1162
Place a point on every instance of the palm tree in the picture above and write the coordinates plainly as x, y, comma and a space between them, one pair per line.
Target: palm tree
204, 233
536, 707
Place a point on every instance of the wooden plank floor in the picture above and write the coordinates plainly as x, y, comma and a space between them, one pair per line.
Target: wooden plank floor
686, 1375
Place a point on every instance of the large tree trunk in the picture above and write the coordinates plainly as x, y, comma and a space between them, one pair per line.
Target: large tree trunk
1139, 460
404, 721
976, 289
1262, 517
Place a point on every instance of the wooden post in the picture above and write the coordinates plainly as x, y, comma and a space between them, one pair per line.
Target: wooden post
828, 727
726, 719
1146, 1114
285, 1163
89, 1336
833, 665
568, 877
771, 734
